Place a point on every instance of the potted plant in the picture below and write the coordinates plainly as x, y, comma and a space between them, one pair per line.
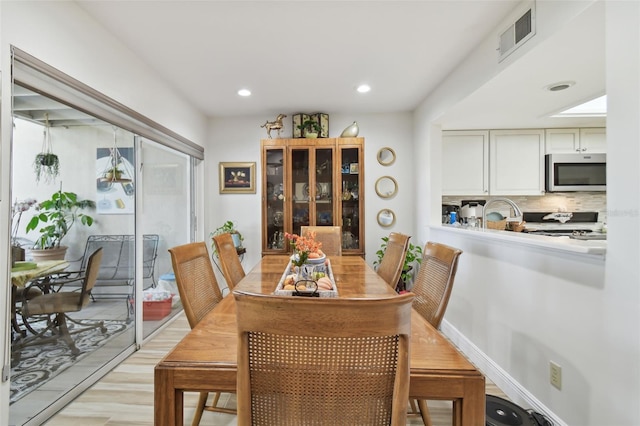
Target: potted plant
46, 165
413, 258
310, 128
113, 173
228, 228
55, 218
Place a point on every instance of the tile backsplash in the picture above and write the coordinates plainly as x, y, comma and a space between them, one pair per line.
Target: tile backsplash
552, 202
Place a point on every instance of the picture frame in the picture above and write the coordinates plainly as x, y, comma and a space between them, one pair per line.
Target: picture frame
354, 168
237, 178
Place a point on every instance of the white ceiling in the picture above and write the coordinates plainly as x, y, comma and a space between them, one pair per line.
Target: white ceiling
310, 55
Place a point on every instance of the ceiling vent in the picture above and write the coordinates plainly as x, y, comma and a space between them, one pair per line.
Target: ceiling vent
517, 34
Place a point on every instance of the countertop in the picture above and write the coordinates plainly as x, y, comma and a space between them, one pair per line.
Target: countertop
564, 244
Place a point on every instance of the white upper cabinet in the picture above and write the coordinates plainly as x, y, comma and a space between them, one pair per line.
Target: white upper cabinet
585, 140
465, 162
516, 159
593, 140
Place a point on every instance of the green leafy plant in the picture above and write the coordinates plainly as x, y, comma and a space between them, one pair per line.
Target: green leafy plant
413, 258
46, 166
227, 228
310, 126
57, 216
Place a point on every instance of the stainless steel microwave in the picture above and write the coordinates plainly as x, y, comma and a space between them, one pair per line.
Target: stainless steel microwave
576, 172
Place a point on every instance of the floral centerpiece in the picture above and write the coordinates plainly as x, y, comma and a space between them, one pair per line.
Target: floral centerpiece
304, 247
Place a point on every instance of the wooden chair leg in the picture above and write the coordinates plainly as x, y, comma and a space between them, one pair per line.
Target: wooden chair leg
202, 401
424, 412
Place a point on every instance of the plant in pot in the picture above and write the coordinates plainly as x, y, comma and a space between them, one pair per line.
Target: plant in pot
228, 228
411, 261
55, 218
46, 165
113, 173
310, 128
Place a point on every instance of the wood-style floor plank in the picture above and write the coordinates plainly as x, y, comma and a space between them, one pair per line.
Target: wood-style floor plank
125, 395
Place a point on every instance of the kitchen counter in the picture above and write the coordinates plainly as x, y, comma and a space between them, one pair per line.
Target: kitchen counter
561, 244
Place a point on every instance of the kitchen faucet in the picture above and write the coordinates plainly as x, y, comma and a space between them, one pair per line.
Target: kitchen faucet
516, 210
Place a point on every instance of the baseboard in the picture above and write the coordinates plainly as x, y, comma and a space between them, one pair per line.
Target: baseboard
514, 390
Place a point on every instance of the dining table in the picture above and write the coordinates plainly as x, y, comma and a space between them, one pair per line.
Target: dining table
206, 358
22, 273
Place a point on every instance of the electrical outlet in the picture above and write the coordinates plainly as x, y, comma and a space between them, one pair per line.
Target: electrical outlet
555, 375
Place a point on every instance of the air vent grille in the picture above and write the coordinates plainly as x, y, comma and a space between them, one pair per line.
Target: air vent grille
517, 34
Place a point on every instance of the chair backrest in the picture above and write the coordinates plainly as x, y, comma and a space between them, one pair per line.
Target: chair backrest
229, 260
433, 284
344, 361
197, 284
329, 236
90, 277
390, 268
118, 259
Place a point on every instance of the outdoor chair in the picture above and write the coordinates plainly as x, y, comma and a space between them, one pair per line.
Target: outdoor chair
54, 307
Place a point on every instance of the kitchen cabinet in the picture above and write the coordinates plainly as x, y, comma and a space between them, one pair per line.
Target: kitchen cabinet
585, 140
465, 162
516, 159
317, 182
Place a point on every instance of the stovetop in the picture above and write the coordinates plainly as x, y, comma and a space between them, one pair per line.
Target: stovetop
576, 225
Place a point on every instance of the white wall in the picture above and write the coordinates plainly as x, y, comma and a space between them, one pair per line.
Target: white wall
60, 34
238, 139
518, 309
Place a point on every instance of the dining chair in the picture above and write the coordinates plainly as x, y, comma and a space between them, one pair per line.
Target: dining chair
229, 260
432, 289
329, 361
392, 263
199, 294
329, 236
54, 307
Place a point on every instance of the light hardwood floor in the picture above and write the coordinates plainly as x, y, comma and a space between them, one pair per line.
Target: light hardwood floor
125, 395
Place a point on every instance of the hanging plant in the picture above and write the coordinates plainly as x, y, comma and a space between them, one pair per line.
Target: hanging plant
46, 164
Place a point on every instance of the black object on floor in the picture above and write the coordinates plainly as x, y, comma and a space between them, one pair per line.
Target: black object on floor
501, 412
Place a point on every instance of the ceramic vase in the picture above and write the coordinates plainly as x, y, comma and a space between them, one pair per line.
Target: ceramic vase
351, 131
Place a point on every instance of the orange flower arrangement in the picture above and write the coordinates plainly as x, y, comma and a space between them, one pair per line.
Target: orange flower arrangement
305, 247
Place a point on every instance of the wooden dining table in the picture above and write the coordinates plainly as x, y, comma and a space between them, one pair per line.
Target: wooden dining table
205, 359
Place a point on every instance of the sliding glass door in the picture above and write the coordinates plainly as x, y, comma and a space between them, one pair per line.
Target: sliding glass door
92, 176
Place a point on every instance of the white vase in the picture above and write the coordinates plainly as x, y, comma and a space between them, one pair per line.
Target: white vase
351, 131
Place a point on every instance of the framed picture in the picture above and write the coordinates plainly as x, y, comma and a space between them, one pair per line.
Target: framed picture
237, 178
354, 169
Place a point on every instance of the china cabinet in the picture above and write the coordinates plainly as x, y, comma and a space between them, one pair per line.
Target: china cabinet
316, 182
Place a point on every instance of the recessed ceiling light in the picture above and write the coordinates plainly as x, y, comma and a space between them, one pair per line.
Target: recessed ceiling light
562, 85
244, 92
363, 88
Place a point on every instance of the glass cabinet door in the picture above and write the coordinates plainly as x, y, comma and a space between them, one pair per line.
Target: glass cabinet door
324, 204
274, 199
300, 188
351, 208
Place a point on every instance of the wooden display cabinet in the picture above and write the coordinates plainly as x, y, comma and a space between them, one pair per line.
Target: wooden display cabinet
317, 182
